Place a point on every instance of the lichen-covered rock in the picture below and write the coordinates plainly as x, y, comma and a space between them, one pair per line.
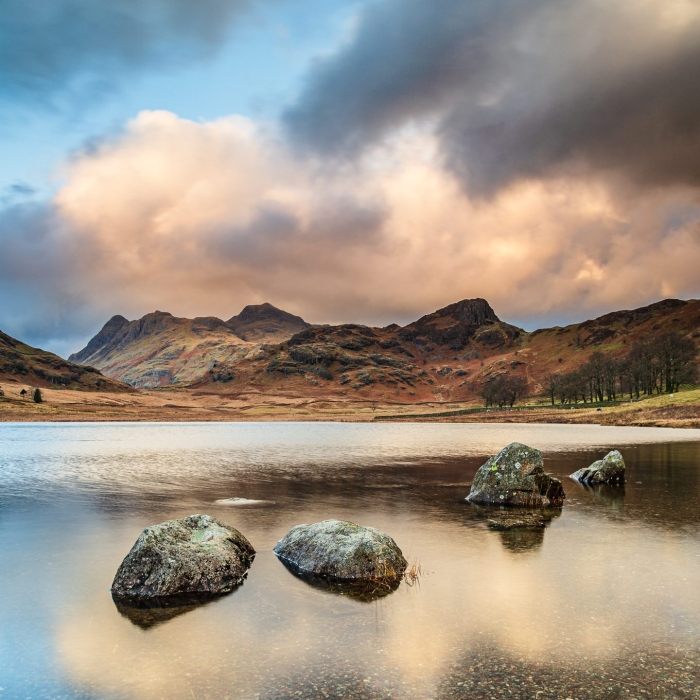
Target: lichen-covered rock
197, 554
343, 551
516, 477
609, 470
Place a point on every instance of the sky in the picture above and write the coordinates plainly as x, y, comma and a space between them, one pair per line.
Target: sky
347, 160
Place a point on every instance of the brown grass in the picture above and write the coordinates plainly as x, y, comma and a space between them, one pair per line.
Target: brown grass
413, 573
683, 411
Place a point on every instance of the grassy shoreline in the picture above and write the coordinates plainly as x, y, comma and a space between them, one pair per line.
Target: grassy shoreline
183, 405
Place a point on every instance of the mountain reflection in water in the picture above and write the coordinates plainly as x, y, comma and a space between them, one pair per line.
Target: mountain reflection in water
597, 600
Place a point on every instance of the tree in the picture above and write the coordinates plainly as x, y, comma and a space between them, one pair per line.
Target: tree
656, 365
23, 393
551, 385
504, 389
676, 357
511, 389
37, 396
488, 391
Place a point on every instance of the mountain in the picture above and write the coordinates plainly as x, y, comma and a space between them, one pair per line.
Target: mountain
264, 323
447, 355
414, 362
28, 365
103, 338
161, 349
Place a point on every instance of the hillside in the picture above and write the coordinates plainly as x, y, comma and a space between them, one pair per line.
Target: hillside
446, 356
160, 349
22, 364
434, 358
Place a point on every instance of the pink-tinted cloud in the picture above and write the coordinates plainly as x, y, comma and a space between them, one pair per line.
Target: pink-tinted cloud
202, 218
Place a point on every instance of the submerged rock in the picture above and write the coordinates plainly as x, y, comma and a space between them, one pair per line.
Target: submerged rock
197, 554
342, 551
244, 502
609, 470
516, 477
518, 521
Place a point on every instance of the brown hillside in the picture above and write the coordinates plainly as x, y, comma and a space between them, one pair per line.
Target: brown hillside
27, 365
161, 350
444, 356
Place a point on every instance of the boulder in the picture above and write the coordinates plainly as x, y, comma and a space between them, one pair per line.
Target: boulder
194, 555
342, 551
516, 477
609, 470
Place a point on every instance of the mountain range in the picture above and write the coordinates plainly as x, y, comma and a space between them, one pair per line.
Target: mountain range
445, 356
160, 349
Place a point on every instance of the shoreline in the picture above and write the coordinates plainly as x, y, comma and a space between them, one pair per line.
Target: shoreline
187, 405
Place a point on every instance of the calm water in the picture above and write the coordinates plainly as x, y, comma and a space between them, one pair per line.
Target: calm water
604, 603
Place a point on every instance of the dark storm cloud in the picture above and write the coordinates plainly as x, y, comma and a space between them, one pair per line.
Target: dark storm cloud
41, 297
52, 47
519, 89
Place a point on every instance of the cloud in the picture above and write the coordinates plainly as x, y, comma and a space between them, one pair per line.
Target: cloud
518, 90
203, 218
50, 49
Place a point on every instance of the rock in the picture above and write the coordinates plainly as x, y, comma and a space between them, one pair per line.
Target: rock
609, 470
197, 554
342, 551
244, 502
515, 477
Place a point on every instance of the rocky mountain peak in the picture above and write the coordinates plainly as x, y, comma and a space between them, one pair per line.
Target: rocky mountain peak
265, 323
104, 337
474, 312
264, 312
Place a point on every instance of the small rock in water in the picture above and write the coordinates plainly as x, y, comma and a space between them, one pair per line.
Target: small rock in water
243, 502
197, 554
342, 551
516, 477
609, 470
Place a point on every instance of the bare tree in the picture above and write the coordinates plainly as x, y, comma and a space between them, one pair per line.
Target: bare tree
504, 389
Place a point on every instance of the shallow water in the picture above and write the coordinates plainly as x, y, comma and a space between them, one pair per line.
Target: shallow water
604, 603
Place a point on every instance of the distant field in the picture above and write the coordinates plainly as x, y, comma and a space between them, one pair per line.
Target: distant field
683, 411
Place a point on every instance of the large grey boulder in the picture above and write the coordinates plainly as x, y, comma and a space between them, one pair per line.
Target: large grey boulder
609, 470
516, 477
197, 554
342, 551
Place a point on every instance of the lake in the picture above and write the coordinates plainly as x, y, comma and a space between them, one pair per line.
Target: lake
603, 603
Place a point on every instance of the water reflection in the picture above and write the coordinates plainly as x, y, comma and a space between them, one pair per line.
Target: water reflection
147, 613
521, 530
362, 591
600, 586
611, 495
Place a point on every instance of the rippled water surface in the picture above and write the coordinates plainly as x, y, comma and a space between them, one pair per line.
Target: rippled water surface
603, 603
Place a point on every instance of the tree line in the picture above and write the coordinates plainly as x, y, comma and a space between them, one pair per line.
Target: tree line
504, 389
654, 366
